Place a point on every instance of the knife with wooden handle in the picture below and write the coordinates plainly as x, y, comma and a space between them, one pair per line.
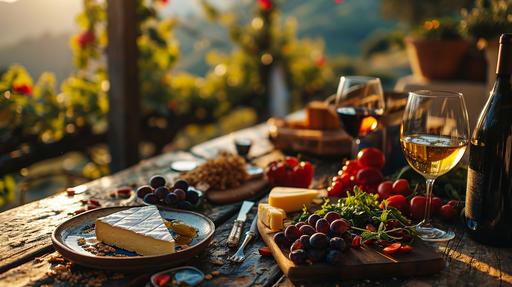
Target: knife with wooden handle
238, 225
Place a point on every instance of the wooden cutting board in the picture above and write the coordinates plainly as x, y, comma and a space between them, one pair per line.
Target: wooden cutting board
362, 263
251, 189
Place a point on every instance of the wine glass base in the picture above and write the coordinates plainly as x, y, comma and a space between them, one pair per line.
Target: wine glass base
434, 234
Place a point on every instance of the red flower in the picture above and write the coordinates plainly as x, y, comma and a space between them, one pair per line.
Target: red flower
265, 4
321, 61
86, 38
22, 89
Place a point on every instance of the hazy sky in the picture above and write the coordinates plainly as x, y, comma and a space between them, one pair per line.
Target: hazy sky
31, 18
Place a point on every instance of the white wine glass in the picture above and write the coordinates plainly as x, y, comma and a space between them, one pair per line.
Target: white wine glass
359, 105
434, 135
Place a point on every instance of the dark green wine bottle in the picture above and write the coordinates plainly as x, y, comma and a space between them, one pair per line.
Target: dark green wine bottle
488, 208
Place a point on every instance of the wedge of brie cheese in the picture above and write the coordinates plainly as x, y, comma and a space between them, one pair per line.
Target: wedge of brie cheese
138, 229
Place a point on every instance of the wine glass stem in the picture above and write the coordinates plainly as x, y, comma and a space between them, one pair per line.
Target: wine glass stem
426, 219
355, 147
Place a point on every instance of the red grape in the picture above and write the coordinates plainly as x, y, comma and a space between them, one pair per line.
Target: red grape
385, 189
322, 225
313, 218
369, 176
307, 229
298, 256
280, 239
299, 224
331, 216
304, 240
319, 240
292, 233
337, 243
339, 226
401, 186
296, 245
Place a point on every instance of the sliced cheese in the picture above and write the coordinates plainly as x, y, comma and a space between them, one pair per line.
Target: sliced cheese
272, 217
292, 199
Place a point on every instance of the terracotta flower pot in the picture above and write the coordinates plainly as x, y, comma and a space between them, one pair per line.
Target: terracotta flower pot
436, 59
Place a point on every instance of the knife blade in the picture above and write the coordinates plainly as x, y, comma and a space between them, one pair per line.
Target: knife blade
236, 230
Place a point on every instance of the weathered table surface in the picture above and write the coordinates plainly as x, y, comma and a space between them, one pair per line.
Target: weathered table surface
27, 257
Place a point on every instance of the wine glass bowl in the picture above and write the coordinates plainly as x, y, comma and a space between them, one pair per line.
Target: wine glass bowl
434, 135
359, 105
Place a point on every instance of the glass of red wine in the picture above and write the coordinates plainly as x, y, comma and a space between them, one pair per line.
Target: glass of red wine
359, 105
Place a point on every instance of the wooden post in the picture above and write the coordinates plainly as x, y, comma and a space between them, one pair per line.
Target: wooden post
124, 100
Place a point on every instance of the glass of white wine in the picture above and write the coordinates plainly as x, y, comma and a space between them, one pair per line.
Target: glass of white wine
434, 135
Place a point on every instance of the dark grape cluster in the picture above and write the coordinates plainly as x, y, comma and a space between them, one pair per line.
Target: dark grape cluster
179, 195
318, 239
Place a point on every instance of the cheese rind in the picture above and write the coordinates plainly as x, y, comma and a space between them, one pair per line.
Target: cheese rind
292, 199
272, 217
138, 229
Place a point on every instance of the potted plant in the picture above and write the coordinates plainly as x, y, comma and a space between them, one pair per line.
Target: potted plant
436, 48
486, 22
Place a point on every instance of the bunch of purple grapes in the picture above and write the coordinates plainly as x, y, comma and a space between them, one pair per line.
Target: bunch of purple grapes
179, 195
319, 239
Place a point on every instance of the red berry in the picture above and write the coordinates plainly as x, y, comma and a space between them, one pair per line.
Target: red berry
124, 190
356, 241
401, 186
385, 189
265, 251
351, 167
369, 176
70, 191
292, 161
94, 202
399, 202
448, 212
79, 211
371, 157
435, 205
405, 248
418, 204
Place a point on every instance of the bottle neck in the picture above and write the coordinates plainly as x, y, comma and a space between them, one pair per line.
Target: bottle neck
504, 65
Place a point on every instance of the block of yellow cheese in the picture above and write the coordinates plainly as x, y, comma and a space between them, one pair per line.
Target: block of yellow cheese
292, 199
272, 217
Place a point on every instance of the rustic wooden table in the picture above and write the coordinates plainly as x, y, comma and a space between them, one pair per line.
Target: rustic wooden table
27, 257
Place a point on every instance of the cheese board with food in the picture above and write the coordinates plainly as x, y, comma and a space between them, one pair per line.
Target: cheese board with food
133, 238
360, 226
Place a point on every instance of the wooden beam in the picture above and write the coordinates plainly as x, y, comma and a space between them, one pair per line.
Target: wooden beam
124, 100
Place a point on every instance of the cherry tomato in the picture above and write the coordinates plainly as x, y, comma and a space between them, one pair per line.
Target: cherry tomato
345, 178
418, 204
435, 205
448, 212
291, 161
399, 202
405, 248
401, 186
302, 175
351, 167
392, 248
371, 157
337, 189
385, 189
356, 241
369, 176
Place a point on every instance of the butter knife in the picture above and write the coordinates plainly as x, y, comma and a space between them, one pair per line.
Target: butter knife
236, 230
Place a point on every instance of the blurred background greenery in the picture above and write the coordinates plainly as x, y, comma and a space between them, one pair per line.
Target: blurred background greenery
205, 68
